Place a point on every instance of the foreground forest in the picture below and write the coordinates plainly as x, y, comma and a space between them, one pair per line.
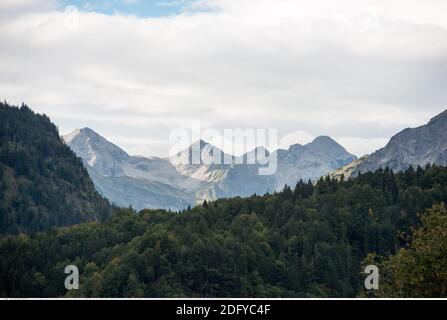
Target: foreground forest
307, 241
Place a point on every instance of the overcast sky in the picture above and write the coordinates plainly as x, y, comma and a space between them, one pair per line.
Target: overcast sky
356, 70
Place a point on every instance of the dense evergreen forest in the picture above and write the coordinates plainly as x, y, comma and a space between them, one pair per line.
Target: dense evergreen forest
307, 241
42, 183
418, 270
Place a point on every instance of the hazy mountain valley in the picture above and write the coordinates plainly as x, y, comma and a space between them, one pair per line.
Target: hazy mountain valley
308, 240
176, 184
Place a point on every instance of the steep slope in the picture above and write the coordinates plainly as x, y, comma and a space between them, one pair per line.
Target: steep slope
225, 175
347, 171
311, 161
412, 147
98, 153
203, 161
200, 172
130, 180
42, 183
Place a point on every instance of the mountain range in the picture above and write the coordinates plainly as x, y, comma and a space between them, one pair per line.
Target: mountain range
175, 183
153, 182
412, 147
259, 246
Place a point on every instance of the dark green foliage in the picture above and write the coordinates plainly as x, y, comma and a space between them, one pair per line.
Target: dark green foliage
420, 269
42, 183
306, 242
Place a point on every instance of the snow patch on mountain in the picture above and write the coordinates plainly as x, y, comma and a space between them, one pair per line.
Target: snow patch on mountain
200, 172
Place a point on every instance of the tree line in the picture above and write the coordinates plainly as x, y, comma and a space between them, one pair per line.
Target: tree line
310, 240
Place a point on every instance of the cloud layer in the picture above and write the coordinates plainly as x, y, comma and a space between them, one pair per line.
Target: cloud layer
359, 71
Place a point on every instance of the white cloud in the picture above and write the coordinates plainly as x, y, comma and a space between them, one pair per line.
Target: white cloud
361, 146
311, 66
301, 137
268, 11
14, 7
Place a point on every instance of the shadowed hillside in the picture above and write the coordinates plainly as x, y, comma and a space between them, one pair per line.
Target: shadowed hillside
42, 183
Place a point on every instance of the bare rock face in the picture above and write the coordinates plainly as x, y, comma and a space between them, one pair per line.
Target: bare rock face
412, 147
128, 180
178, 182
98, 153
310, 161
347, 171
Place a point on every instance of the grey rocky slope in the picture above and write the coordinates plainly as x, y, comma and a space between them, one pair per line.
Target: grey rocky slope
128, 180
311, 161
177, 182
348, 170
412, 147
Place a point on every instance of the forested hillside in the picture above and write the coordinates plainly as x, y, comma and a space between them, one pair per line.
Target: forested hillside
42, 183
419, 270
308, 241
